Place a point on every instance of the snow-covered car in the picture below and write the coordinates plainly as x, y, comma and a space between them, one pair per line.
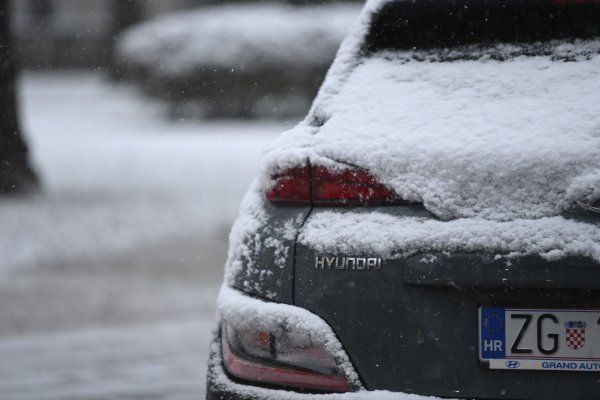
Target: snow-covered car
432, 227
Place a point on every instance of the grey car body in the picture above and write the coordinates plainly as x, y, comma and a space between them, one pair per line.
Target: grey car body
409, 324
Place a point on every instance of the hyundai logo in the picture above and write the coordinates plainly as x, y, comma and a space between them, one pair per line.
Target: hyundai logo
513, 364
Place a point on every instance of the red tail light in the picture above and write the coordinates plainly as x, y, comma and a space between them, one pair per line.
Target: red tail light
292, 187
323, 187
350, 187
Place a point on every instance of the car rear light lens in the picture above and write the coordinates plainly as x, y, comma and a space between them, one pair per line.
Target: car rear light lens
320, 186
280, 358
291, 187
351, 187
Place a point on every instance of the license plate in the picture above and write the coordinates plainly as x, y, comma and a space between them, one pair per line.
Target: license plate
520, 338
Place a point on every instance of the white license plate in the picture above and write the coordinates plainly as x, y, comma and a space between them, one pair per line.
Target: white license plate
520, 338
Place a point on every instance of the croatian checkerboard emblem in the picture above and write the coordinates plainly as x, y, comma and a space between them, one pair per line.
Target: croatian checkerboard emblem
575, 334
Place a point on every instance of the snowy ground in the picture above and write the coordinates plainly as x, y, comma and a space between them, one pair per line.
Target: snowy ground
108, 278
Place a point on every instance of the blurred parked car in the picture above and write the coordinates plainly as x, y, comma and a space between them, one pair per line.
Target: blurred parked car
432, 226
236, 61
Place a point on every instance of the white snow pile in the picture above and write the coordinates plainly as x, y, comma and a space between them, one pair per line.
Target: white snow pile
246, 37
497, 150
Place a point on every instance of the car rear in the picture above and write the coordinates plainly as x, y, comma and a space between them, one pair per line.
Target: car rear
435, 213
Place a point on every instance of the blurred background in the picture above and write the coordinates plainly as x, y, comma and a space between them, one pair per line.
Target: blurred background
129, 132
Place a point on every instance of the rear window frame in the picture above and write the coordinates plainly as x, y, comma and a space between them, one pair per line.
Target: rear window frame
426, 25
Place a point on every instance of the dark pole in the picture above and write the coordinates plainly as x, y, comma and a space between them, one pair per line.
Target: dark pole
16, 174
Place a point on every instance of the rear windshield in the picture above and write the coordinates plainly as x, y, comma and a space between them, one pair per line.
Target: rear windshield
430, 24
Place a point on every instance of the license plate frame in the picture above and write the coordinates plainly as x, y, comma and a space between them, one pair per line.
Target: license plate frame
539, 339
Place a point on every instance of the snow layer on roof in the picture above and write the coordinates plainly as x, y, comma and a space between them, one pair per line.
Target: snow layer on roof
238, 36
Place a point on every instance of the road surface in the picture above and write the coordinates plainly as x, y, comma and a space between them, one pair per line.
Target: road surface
109, 276
129, 325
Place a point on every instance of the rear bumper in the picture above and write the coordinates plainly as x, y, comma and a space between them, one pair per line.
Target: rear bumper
419, 316
219, 386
